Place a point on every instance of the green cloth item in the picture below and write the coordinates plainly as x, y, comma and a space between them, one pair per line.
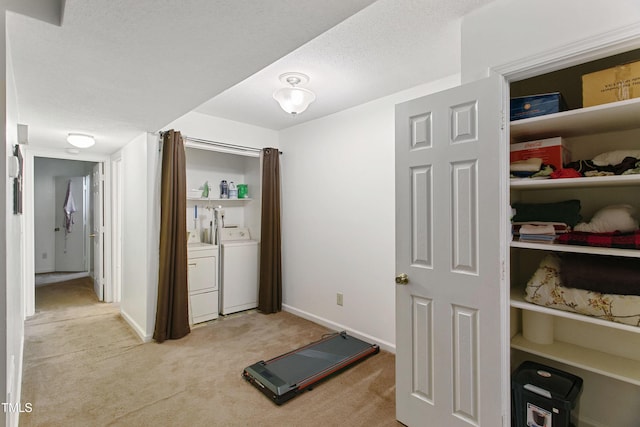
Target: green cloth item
545, 171
567, 211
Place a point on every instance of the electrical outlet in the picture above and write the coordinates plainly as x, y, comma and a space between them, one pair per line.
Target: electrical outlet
339, 298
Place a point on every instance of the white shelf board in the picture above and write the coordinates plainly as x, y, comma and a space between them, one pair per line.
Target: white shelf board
560, 247
203, 199
620, 368
610, 117
590, 182
518, 301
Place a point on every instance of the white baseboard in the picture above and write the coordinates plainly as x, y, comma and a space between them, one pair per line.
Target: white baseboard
136, 328
338, 327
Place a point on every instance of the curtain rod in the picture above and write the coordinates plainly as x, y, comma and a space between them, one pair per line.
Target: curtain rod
220, 144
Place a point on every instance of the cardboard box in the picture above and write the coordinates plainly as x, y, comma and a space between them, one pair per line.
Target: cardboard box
523, 107
613, 84
552, 151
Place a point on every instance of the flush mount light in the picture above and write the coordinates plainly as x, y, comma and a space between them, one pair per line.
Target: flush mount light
80, 140
294, 99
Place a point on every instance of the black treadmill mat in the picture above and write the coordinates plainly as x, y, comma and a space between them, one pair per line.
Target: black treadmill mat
290, 374
296, 367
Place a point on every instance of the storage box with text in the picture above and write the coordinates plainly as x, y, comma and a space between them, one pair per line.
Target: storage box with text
524, 107
552, 151
613, 84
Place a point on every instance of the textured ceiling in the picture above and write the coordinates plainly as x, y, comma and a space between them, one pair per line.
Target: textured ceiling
116, 68
390, 46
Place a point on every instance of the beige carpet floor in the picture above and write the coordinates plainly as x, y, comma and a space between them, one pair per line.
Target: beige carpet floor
84, 366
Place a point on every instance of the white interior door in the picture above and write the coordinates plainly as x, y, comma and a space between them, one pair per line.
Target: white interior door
450, 323
97, 233
69, 233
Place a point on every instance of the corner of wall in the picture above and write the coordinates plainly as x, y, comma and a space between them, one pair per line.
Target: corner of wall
154, 174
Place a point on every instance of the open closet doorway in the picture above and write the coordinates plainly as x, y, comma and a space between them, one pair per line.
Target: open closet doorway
67, 221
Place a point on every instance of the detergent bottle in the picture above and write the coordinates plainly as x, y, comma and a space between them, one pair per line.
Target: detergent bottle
233, 191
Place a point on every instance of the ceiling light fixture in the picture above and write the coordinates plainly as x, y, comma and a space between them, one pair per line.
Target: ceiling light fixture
294, 100
80, 140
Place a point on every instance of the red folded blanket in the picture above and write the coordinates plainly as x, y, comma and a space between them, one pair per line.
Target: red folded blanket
606, 240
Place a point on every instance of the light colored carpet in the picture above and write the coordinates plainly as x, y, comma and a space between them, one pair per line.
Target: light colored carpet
83, 366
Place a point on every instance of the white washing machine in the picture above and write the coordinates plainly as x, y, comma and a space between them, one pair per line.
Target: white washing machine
239, 265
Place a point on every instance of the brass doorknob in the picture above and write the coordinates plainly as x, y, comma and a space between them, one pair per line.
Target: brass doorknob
402, 279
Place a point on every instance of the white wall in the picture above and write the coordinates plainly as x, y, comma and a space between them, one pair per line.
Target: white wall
202, 126
45, 171
11, 252
338, 223
509, 30
138, 287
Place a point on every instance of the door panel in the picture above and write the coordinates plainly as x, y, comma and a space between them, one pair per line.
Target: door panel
464, 217
69, 237
449, 321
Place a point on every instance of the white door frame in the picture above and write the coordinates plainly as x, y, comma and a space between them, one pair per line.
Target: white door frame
28, 243
116, 231
599, 46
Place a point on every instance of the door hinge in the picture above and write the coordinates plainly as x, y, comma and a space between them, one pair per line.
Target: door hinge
502, 121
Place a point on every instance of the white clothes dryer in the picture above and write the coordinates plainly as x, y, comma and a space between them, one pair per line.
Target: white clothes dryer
239, 270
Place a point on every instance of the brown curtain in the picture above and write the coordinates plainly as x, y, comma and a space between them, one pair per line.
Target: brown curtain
172, 315
270, 291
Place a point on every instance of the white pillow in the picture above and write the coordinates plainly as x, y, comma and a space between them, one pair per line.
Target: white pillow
614, 157
609, 219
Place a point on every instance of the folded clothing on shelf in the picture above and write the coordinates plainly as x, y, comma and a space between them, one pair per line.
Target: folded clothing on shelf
558, 227
603, 240
598, 273
567, 212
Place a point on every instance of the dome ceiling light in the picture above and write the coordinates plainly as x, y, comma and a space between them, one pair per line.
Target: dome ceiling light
294, 100
80, 140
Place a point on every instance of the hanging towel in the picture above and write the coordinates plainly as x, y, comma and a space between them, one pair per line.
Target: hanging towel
69, 209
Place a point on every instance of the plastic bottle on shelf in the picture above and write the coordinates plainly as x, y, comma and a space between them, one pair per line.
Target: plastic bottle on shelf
224, 189
205, 190
242, 191
233, 191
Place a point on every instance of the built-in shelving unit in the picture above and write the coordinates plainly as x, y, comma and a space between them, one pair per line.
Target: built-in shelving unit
581, 125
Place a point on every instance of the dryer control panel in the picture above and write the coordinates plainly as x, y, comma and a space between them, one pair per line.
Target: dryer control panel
235, 233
